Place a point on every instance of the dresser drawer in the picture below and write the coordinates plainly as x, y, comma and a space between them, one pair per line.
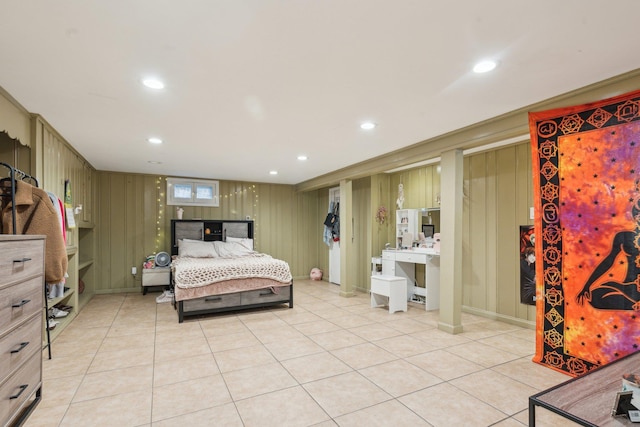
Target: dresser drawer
411, 257
17, 389
20, 259
18, 345
157, 276
20, 301
211, 302
260, 296
389, 255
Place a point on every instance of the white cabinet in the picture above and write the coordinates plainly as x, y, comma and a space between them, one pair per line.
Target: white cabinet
407, 223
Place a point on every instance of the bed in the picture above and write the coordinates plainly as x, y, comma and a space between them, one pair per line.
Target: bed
216, 269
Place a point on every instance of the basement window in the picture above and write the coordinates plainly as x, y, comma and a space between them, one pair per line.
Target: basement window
193, 192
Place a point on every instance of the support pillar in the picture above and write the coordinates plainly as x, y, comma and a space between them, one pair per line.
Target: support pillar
348, 263
451, 241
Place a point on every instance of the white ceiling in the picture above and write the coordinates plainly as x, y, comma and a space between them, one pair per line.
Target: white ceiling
251, 84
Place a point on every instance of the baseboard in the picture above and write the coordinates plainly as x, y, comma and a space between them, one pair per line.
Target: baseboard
528, 324
118, 291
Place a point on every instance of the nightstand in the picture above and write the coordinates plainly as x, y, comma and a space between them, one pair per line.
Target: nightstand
158, 276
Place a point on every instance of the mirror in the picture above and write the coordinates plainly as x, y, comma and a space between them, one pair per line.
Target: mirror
430, 221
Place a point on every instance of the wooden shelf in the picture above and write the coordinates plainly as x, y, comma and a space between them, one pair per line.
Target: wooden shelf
83, 299
53, 301
62, 323
84, 264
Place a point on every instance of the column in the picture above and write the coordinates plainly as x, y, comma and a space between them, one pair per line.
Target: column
451, 186
348, 263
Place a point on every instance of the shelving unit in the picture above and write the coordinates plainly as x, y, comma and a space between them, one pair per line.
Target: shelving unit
407, 222
80, 267
86, 269
69, 297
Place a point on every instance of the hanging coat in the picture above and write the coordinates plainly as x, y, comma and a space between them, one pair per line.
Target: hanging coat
35, 215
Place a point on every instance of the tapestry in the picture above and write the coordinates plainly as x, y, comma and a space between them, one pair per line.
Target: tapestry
586, 172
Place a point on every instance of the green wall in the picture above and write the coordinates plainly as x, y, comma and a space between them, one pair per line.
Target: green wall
133, 221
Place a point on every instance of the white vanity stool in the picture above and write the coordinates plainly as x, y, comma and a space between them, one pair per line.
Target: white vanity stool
389, 290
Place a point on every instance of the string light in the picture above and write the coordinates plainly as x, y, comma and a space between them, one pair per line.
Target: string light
160, 217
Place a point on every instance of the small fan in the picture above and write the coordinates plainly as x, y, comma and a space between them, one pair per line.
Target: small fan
162, 259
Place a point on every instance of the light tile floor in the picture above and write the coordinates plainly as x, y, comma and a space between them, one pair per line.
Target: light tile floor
329, 361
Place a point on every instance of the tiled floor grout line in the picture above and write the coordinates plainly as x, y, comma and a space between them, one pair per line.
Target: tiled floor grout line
482, 332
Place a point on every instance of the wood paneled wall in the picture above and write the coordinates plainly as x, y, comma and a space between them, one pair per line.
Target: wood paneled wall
498, 192
134, 222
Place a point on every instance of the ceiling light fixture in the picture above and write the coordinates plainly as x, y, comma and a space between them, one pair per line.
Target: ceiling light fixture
484, 66
153, 83
273, 172
368, 125
155, 140
302, 157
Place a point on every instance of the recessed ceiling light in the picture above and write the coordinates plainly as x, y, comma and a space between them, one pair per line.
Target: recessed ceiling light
302, 157
153, 83
368, 125
484, 66
154, 162
155, 140
273, 172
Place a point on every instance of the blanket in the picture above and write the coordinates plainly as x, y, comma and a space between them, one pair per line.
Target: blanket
586, 165
195, 272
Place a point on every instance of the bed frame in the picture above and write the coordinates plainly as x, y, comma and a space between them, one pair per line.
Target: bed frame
219, 230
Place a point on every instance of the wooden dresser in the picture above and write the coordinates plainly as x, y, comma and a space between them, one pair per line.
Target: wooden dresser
21, 325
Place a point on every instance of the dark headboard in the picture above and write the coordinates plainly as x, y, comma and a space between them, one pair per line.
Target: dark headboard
208, 230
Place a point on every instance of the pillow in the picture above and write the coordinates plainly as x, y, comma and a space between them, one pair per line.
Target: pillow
197, 249
231, 249
247, 243
188, 240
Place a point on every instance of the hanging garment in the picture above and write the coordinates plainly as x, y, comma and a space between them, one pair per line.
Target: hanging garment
35, 215
326, 236
335, 224
59, 208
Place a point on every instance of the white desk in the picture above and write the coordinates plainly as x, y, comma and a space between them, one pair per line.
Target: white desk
402, 263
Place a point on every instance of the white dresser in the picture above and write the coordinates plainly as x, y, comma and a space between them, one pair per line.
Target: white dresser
21, 325
402, 263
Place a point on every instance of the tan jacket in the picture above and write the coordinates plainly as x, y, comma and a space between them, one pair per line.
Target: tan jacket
35, 214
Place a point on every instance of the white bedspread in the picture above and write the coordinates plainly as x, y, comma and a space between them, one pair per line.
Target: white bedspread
196, 272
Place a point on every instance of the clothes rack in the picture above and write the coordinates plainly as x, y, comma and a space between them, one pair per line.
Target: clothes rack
17, 174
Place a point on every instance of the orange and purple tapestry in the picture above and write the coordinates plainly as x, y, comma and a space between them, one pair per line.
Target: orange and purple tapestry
586, 166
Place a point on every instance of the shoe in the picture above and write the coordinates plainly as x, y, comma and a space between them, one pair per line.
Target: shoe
167, 296
56, 312
51, 325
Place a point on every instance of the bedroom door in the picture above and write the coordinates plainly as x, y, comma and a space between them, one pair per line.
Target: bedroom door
334, 248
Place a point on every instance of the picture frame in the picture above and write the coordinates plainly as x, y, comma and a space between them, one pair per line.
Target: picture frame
428, 230
622, 404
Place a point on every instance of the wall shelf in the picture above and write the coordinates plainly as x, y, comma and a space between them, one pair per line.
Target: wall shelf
85, 264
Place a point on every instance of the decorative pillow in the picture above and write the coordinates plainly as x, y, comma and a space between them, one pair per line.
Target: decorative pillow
232, 249
247, 243
196, 249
